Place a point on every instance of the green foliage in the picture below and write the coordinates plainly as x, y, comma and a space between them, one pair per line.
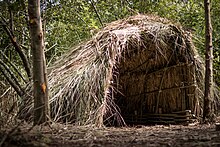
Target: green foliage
13, 16
71, 22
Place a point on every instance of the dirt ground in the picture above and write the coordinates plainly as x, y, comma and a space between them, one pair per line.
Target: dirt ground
57, 135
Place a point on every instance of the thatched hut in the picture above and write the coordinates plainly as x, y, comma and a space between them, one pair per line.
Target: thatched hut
131, 68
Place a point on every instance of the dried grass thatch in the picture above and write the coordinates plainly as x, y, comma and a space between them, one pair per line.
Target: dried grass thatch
142, 64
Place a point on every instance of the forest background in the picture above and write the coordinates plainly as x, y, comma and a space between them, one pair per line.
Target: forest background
70, 22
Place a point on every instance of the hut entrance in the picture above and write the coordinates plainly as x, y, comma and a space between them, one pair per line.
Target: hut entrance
156, 88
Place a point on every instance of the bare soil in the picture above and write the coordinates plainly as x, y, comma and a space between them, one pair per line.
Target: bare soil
58, 135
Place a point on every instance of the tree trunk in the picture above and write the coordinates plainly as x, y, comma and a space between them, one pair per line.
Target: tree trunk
209, 96
39, 78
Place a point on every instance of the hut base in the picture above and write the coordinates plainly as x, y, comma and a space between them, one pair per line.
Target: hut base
181, 117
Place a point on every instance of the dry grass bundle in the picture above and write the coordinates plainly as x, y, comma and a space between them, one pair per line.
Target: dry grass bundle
95, 78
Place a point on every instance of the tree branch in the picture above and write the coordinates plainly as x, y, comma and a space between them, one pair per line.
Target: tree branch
96, 12
11, 21
17, 48
13, 66
15, 86
10, 73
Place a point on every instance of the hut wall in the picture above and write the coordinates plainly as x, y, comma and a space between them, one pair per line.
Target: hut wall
149, 91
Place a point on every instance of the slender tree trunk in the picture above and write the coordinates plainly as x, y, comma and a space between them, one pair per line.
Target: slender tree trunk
39, 70
44, 58
209, 96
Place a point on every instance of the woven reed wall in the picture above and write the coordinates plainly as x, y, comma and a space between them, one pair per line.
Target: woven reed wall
151, 83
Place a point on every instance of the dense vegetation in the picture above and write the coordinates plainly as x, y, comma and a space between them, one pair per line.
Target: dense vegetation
69, 22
